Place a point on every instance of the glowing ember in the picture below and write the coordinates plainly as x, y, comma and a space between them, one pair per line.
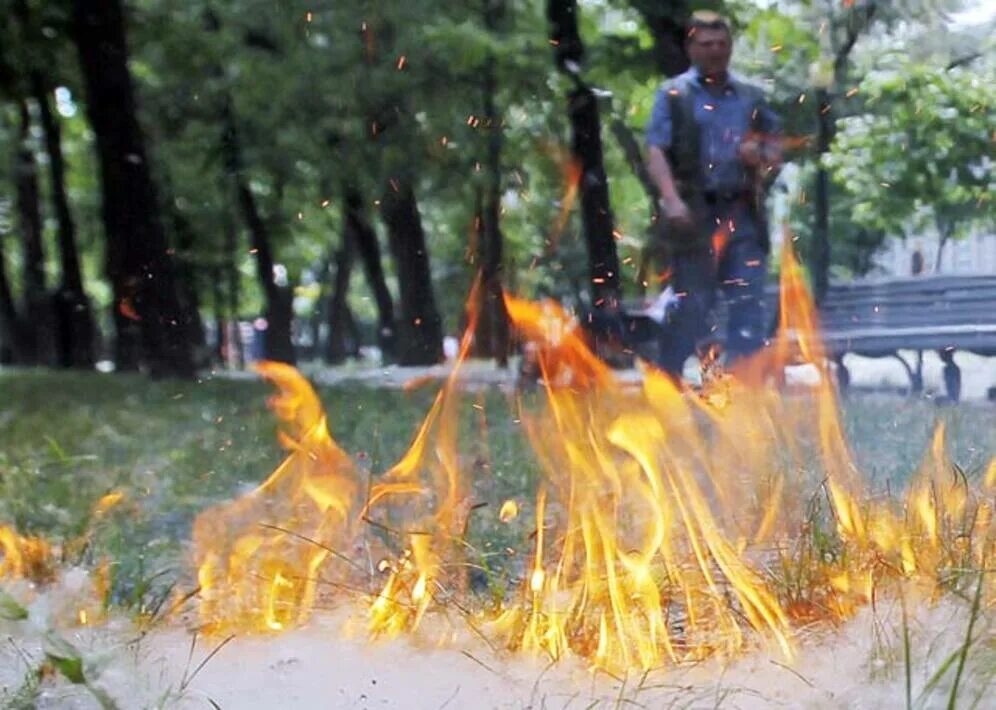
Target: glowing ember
670, 525
509, 511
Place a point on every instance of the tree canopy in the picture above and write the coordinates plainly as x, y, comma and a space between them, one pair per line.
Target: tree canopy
337, 173
922, 153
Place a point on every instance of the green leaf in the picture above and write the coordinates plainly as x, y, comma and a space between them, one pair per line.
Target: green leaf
10, 610
64, 657
70, 668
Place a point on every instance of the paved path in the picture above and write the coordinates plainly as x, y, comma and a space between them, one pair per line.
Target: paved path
881, 375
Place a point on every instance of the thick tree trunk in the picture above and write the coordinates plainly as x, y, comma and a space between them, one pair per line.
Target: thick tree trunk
596, 213
368, 247
586, 146
139, 266
186, 279
38, 322
420, 333
75, 336
342, 342
72, 316
491, 338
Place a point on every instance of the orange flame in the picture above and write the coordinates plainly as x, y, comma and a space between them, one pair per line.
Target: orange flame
25, 557
562, 354
669, 525
264, 576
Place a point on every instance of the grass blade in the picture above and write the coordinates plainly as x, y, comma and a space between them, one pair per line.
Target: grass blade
963, 655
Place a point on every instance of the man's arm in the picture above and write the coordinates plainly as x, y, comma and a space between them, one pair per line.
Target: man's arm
659, 137
660, 170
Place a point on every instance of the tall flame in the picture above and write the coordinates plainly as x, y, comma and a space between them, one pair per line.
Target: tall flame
669, 524
264, 577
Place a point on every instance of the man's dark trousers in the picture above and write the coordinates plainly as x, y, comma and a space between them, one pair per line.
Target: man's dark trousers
738, 271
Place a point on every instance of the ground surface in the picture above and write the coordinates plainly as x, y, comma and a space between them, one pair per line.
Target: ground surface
860, 665
172, 448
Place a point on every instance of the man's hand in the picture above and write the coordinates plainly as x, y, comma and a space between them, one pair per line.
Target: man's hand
671, 204
761, 151
676, 211
750, 152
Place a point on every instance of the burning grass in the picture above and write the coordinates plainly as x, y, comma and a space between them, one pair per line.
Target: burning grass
669, 525
632, 527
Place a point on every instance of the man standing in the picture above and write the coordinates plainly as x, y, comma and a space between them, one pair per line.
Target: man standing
712, 146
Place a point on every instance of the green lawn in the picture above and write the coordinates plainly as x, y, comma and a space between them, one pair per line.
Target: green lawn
175, 447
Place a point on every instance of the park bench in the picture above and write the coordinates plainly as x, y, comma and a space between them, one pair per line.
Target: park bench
941, 313
879, 318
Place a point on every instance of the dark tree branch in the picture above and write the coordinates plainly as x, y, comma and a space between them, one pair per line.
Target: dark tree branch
963, 60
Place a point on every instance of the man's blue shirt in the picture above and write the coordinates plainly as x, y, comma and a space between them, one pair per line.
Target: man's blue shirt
724, 118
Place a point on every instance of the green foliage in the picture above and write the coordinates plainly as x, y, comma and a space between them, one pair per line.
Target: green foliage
922, 153
359, 91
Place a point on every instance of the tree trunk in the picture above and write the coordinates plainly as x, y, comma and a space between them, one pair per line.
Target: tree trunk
12, 337
944, 232
666, 22
234, 355
186, 278
75, 337
596, 213
71, 319
279, 299
491, 338
586, 146
217, 353
279, 309
821, 253
420, 333
342, 342
366, 243
858, 20
38, 324
139, 266
235, 350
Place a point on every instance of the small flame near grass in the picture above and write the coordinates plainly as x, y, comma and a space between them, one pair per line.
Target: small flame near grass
25, 557
669, 525
36, 562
